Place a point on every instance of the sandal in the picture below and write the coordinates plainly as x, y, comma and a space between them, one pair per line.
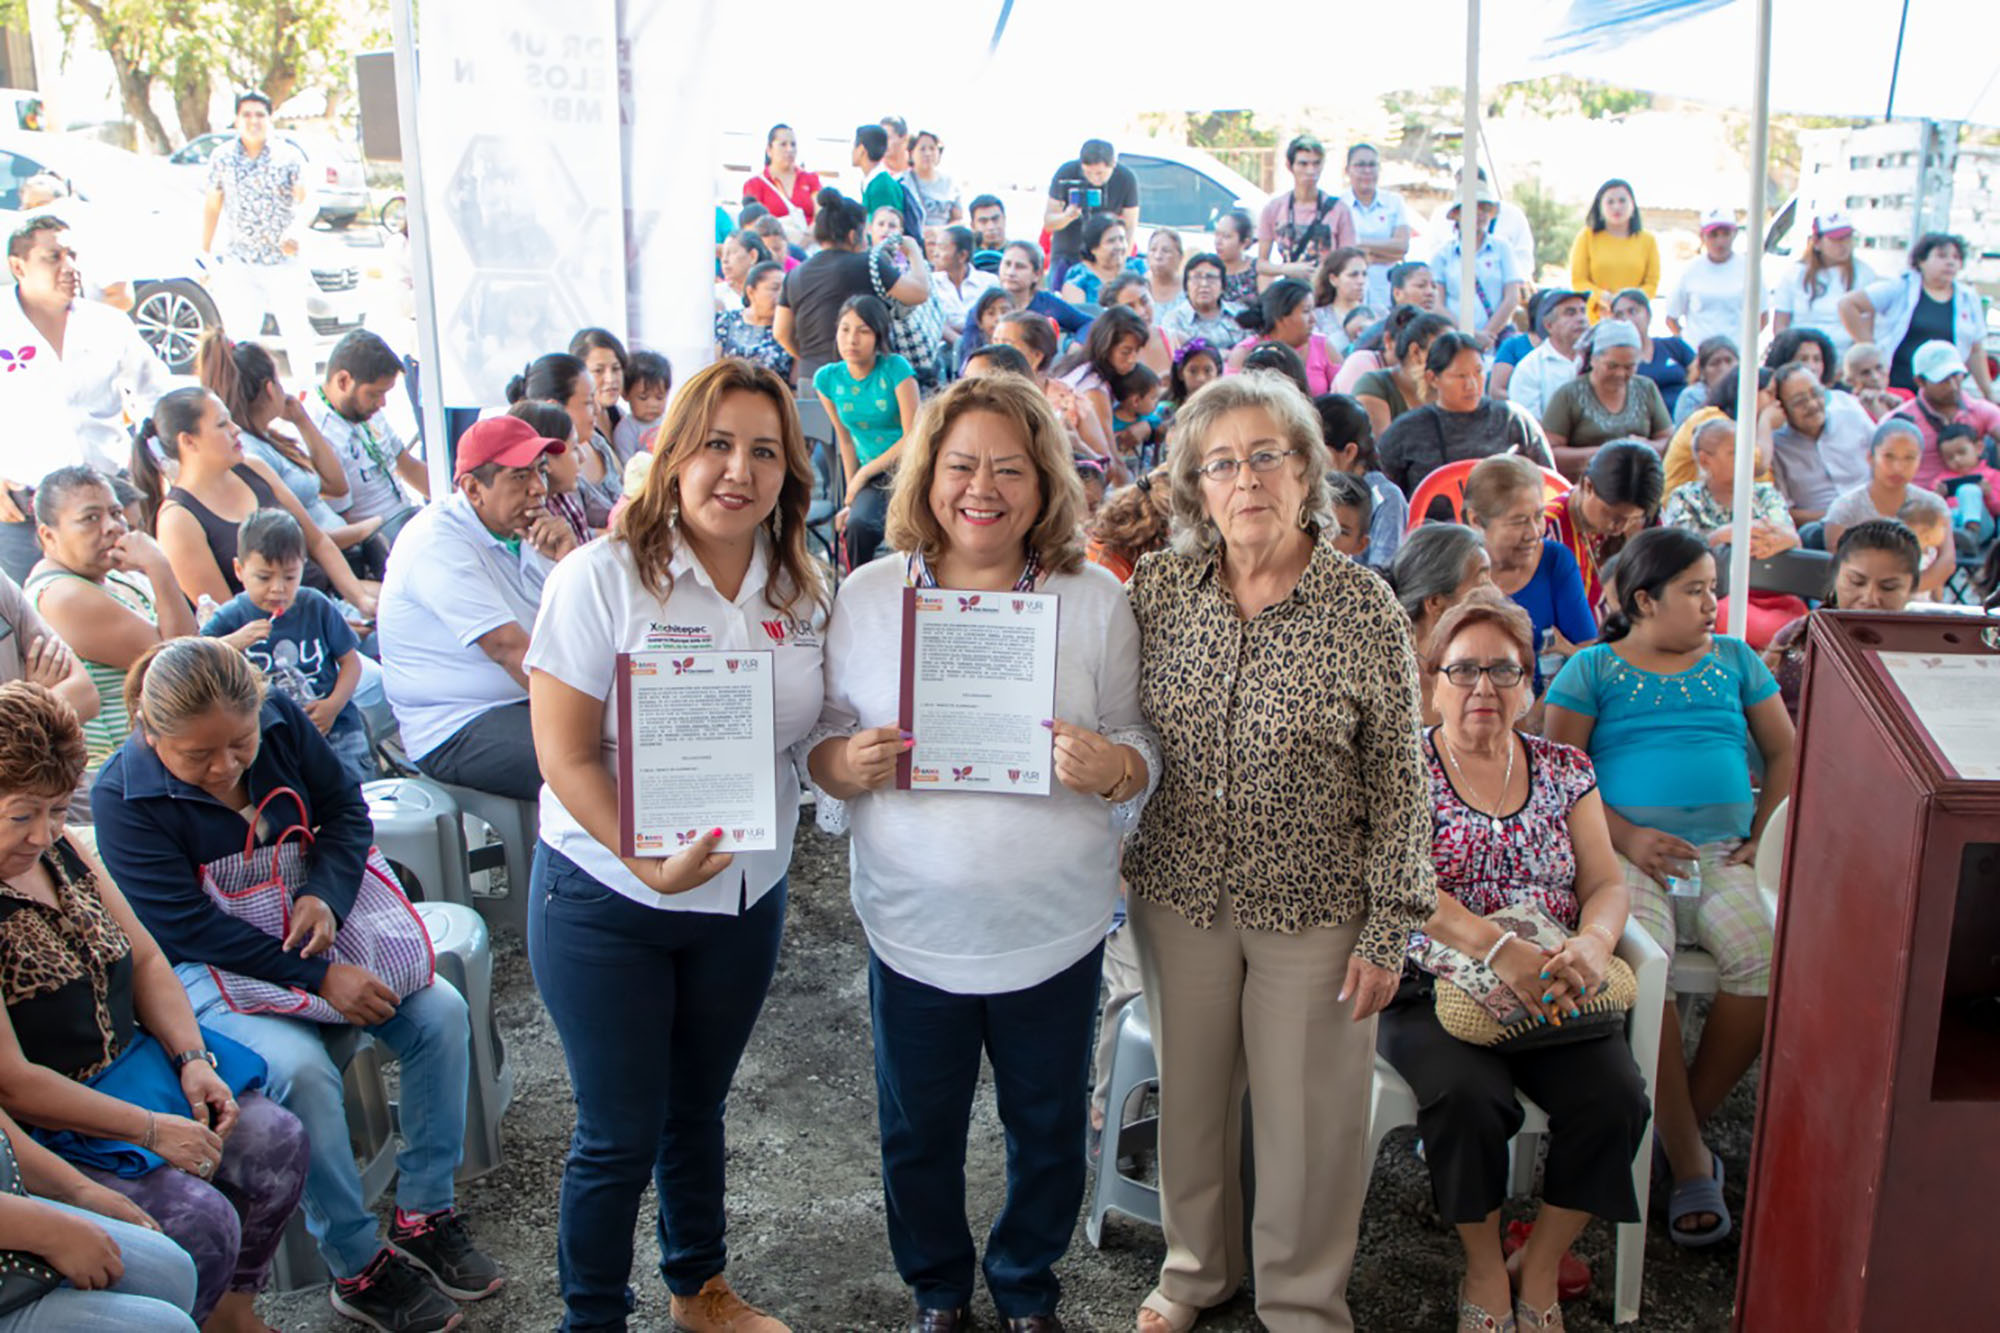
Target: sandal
1692, 1197
1474, 1318
1169, 1315
1547, 1321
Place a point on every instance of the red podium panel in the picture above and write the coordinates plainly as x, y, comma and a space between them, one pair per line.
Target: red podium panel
1874, 1190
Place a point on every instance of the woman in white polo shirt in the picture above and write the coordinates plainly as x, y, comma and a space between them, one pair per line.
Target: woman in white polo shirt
710, 554
986, 914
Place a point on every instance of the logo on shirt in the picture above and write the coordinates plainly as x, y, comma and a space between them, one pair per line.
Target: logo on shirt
670, 636
17, 358
799, 633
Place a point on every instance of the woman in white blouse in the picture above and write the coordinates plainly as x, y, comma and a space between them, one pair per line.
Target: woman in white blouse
710, 554
985, 913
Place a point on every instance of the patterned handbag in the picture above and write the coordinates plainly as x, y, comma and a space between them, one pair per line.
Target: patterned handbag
1476, 1006
382, 932
916, 332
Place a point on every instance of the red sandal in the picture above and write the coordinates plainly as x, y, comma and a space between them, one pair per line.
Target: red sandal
1572, 1275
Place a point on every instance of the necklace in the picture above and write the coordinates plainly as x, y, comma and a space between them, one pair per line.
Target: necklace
1492, 816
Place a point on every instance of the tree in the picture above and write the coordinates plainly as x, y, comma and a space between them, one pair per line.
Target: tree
187, 47
1553, 223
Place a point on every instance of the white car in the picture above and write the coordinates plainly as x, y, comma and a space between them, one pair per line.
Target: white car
137, 222
336, 179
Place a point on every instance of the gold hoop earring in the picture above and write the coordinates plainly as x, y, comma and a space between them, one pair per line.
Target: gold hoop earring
1305, 518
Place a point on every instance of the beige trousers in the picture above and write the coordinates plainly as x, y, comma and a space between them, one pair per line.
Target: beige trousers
1233, 1007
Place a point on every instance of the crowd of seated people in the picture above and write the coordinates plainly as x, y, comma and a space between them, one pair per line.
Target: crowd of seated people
1211, 456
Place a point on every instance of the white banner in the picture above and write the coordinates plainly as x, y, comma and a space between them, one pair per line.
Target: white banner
673, 65
522, 183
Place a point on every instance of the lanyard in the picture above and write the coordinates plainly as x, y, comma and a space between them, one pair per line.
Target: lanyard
919, 575
365, 433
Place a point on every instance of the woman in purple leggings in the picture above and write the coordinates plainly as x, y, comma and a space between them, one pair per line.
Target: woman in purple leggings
82, 981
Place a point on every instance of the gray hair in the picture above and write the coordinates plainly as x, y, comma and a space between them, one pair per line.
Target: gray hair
1193, 533
1709, 427
1856, 351
1431, 563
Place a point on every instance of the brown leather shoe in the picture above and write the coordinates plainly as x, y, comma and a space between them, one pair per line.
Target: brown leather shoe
930, 1319
717, 1309
1035, 1323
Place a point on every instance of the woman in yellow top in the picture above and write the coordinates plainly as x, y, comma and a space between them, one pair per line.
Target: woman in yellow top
1614, 250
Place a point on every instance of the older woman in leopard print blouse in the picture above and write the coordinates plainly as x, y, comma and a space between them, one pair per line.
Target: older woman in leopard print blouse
1282, 863
85, 987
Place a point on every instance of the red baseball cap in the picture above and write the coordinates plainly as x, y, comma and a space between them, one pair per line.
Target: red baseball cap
508, 441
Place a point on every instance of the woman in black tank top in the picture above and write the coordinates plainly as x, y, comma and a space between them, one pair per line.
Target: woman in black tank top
217, 488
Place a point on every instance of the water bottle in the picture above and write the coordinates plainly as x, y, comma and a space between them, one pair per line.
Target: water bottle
1685, 890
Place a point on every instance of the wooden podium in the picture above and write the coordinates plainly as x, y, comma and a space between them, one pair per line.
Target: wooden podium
1874, 1189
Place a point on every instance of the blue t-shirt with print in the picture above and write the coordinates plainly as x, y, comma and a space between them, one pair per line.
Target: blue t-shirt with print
310, 638
866, 406
1672, 750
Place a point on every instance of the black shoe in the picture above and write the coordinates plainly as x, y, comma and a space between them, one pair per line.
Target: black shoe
1035, 1323
393, 1296
929, 1319
439, 1244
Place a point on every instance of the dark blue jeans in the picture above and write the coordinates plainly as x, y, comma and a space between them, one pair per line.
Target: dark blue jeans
927, 1045
654, 1009
867, 519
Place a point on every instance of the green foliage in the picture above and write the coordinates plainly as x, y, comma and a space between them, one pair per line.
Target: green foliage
192, 47
1553, 223
1567, 95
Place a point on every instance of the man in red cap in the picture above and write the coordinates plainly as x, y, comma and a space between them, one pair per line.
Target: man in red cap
458, 599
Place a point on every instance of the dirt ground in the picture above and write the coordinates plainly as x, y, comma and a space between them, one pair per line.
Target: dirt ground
805, 1206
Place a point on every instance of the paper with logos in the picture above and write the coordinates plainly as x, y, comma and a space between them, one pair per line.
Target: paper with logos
979, 676
694, 751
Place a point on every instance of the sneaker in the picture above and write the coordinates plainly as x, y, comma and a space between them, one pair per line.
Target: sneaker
393, 1296
439, 1244
717, 1309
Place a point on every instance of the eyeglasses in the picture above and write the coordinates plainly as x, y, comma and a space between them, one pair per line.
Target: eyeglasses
1465, 675
1264, 460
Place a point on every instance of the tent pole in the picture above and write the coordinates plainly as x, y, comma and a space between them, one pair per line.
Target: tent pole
1468, 184
430, 359
1746, 371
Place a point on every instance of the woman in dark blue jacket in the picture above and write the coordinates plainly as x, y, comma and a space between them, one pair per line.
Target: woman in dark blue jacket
207, 747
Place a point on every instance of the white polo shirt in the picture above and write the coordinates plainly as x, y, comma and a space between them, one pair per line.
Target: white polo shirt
1376, 222
1708, 300
449, 581
594, 607
72, 408
1537, 378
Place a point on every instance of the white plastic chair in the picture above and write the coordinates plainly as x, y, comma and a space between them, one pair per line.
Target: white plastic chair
1395, 1106
1771, 860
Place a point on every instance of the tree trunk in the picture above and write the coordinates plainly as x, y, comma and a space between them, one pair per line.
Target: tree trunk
192, 91
135, 85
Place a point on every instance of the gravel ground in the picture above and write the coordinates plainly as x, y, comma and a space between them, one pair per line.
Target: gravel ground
805, 1202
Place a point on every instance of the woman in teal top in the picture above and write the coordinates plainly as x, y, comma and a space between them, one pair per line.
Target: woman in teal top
870, 395
1667, 710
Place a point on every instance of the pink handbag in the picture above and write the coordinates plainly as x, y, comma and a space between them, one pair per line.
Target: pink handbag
382, 932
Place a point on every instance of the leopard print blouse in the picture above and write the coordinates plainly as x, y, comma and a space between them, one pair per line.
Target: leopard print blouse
66, 971
1292, 773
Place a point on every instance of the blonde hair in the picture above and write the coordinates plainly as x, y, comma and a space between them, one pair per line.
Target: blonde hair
1496, 481
651, 518
179, 680
1056, 537
1193, 532
1483, 606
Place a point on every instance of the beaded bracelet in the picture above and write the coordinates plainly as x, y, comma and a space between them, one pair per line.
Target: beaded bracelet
1498, 945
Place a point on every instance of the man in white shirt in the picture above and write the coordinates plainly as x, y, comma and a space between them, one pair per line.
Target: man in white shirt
1553, 364
1708, 301
70, 366
458, 601
954, 281
361, 372
1817, 442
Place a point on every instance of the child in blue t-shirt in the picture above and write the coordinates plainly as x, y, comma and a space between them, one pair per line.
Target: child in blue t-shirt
1138, 422
308, 652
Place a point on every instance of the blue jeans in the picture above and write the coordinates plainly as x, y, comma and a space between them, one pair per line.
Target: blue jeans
654, 1009
927, 1046
432, 1039
153, 1296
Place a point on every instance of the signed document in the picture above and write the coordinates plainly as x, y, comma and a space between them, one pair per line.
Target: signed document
695, 751
979, 677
